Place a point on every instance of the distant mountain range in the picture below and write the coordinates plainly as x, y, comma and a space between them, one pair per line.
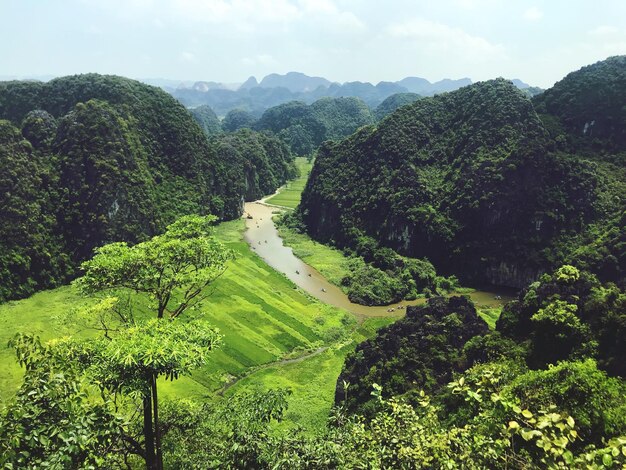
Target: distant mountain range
274, 89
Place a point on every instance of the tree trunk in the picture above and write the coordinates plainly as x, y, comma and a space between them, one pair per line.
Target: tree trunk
148, 432
157, 432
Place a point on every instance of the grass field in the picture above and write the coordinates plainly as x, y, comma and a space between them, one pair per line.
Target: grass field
263, 318
260, 313
490, 315
312, 380
289, 196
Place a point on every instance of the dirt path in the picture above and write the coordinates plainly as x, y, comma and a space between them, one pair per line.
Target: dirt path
280, 362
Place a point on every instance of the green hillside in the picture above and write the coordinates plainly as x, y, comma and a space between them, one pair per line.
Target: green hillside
585, 110
466, 179
91, 159
304, 127
208, 120
390, 104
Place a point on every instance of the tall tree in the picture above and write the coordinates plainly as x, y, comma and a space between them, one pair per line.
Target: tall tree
174, 270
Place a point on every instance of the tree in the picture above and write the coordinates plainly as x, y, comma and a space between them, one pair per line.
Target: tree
55, 420
174, 270
132, 360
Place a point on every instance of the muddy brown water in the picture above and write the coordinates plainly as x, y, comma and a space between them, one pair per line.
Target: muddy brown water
263, 238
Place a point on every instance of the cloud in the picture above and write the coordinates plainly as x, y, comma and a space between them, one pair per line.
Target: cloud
610, 40
330, 16
473, 4
438, 38
236, 11
260, 59
253, 15
188, 57
533, 14
236, 16
603, 30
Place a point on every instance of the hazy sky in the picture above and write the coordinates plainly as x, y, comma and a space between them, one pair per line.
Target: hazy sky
342, 40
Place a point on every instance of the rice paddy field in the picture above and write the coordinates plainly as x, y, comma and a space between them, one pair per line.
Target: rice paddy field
270, 330
289, 195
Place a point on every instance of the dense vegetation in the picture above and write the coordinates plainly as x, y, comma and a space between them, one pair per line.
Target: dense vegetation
255, 164
304, 127
376, 275
32, 253
568, 315
473, 179
238, 119
390, 104
470, 179
422, 350
557, 345
90, 159
208, 120
585, 112
485, 408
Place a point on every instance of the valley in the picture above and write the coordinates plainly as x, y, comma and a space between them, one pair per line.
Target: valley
264, 239
268, 323
313, 286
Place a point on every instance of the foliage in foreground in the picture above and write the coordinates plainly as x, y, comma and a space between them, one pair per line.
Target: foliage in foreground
569, 314
57, 419
498, 433
493, 429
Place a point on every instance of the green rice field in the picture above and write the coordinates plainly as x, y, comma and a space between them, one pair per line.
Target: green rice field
262, 316
289, 195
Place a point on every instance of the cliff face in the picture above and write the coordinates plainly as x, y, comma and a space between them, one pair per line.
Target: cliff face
464, 179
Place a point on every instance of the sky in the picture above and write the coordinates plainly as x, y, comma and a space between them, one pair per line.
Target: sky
342, 40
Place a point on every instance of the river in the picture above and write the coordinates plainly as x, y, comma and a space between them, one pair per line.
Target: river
263, 238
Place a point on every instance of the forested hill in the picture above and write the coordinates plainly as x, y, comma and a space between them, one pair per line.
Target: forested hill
304, 127
465, 179
208, 120
390, 104
90, 159
586, 111
559, 346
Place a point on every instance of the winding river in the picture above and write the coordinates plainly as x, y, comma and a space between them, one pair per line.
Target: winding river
263, 238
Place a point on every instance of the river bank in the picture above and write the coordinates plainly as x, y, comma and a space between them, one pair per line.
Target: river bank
264, 239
